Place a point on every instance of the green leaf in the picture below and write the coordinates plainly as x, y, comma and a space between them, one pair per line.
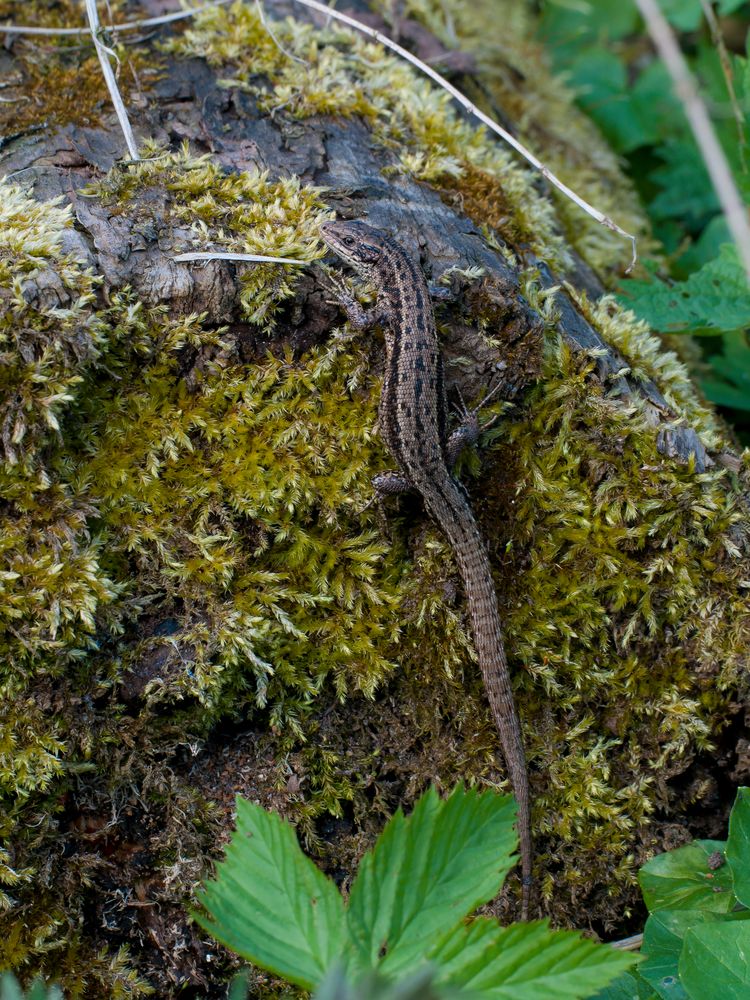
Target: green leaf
426, 873
628, 986
10, 990
685, 15
270, 904
239, 986
600, 81
686, 190
682, 880
715, 297
724, 394
419, 986
663, 939
525, 961
738, 845
731, 368
729, 6
705, 248
655, 107
715, 961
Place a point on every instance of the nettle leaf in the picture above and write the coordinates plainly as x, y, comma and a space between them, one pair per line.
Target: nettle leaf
525, 961
270, 904
426, 873
715, 961
716, 297
738, 845
683, 879
663, 940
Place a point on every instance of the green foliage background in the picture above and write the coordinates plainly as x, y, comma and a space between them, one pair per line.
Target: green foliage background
698, 285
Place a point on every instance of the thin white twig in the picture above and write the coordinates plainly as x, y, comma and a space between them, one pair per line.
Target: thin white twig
474, 110
238, 256
705, 136
629, 943
272, 36
149, 22
104, 53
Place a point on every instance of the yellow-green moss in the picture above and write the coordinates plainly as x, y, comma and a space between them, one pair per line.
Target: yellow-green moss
55, 79
194, 547
50, 581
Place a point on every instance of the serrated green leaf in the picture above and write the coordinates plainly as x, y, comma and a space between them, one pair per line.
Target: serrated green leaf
715, 961
270, 904
717, 297
418, 986
738, 845
682, 879
525, 961
426, 873
685, 15
663, 939
724, 394
686, 190
627, 986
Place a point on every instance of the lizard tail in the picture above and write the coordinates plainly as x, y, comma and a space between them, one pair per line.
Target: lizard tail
476, 573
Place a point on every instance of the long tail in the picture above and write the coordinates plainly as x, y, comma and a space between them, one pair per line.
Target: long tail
469, 547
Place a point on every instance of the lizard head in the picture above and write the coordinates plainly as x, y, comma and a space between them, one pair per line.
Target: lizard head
358, 244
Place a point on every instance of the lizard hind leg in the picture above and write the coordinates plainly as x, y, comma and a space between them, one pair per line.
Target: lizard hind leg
468, 431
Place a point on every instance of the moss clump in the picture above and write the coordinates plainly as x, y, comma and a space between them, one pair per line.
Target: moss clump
50, 581
217, 523
183, 545
52, 81
242, 213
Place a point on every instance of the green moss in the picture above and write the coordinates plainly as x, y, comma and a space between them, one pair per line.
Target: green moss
244, 213
184, 543
53, 81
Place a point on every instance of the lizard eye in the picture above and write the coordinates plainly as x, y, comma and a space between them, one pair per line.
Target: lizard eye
348, 241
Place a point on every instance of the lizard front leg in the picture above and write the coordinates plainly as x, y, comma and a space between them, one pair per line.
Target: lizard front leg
388, 483
361, 319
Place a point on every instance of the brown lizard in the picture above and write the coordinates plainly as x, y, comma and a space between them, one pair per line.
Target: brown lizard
413, 423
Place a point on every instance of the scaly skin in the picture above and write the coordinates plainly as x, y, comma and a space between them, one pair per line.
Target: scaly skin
412, 416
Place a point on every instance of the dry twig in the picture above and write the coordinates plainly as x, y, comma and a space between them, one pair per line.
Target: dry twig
104, 53
697, 115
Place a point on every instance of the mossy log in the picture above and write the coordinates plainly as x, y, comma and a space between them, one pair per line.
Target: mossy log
192, 602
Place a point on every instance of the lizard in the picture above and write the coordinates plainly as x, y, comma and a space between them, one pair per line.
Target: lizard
413, 423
